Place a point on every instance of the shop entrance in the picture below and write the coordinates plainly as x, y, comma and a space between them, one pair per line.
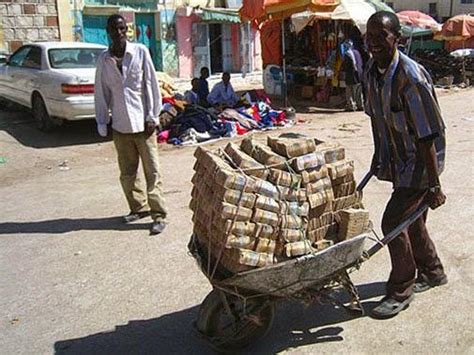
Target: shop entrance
215, 39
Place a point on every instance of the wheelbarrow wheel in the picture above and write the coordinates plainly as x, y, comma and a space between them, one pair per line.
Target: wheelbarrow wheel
248, 321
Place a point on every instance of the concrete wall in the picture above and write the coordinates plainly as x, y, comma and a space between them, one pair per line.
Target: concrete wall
28, 21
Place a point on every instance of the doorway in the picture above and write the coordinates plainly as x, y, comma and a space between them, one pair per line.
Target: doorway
215, 39
145, 33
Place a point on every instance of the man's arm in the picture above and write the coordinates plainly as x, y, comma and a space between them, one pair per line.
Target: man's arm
101, 100
152, 94
214, 95
427, 125
436, 196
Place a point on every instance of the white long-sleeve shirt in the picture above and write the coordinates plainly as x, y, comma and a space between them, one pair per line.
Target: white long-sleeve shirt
132, 97
222, 94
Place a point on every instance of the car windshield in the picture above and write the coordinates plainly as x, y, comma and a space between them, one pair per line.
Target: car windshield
72, 58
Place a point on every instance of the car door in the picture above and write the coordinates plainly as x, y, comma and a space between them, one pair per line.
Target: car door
8, 82
27, 75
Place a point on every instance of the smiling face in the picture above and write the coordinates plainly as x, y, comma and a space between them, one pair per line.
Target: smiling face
117, 30
382, 40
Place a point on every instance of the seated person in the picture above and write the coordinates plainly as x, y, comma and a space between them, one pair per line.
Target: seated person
191, 96
203, 89
222, 94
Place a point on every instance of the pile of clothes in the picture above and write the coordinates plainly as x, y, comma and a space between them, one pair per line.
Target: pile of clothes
185, 124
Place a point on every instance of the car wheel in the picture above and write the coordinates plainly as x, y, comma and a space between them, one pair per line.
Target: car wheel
41, 116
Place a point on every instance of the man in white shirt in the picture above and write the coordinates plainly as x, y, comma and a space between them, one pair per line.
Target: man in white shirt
223, 94
191, 96
126, 85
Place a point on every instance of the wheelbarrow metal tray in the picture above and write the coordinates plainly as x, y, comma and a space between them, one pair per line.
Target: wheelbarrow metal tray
287, 278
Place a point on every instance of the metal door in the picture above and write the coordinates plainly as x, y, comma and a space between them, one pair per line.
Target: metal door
145, 33
201, 51
246, 40
227, 47
95, 29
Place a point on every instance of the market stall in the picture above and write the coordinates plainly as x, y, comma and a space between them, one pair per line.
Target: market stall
313, 43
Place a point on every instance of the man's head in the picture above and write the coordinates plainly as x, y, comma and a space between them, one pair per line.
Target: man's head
226, 78
383, 33
195, 84
117, 29
204, 72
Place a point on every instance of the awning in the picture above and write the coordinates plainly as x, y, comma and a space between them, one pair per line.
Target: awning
357, 11
219, 15
261, 10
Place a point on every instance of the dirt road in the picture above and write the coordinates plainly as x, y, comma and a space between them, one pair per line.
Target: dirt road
74, 279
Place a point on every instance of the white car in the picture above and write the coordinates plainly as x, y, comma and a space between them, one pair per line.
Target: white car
54, 79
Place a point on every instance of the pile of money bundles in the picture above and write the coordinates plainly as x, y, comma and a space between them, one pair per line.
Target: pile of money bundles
259, 204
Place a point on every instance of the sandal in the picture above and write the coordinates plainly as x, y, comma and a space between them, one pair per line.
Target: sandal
390, 307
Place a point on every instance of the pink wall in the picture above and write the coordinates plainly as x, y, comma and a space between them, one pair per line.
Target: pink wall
184, 26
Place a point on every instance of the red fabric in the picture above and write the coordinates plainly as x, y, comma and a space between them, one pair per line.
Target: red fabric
169, 100
258, 10
458, 28
271, 43
240, 130
418, 19
453, 45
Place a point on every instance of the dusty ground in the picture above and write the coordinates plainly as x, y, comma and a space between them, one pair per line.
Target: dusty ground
73, 279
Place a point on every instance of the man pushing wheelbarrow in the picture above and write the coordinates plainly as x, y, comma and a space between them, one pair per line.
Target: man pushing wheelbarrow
283, 220
409, 139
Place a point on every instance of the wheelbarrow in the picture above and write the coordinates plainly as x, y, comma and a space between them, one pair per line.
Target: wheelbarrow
240, 308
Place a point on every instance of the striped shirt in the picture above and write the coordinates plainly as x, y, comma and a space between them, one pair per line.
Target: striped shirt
404, 111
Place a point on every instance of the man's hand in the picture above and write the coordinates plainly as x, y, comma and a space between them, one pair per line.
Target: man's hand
436, 198
150, 127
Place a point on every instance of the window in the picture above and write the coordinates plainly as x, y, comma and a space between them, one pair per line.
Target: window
17, 58
33, 59
70, 58
432, 8
467, 1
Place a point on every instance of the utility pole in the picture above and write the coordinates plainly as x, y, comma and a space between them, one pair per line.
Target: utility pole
451, 8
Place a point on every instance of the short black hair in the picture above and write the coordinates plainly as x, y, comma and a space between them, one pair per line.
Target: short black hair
113, 18
389, 20
205, 68
194, 80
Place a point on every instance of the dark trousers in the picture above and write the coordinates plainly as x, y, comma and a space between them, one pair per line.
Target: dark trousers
413, 250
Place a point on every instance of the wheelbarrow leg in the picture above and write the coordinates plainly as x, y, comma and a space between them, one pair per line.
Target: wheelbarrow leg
355, 306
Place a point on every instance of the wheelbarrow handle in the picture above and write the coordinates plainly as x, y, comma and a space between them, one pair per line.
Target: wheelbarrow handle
394, 233
365, 180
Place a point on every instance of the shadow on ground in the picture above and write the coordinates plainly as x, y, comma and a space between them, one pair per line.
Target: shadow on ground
294, 326
19, 123
65, 225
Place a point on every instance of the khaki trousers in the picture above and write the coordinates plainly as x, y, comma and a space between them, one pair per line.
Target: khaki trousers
130, 149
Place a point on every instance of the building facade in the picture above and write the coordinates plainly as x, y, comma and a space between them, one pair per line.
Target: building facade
182, 36
33, 20
439, 9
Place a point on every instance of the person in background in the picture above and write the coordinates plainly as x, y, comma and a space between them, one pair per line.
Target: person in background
222, 94
410, 147
353, 69
203, 90
126, 85
192, 96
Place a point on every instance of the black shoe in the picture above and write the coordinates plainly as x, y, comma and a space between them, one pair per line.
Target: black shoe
135, 216
390, 307
424, 284
157, 228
